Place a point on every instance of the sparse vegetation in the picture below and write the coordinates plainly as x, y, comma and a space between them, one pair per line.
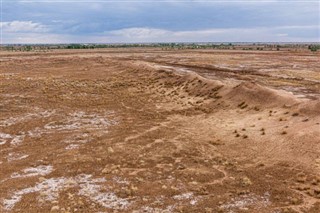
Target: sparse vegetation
314, 48
126, 124
256, 108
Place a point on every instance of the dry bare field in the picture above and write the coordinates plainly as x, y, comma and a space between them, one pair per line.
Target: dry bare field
147, 130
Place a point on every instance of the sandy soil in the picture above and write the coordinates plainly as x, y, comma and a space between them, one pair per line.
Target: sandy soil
146, 130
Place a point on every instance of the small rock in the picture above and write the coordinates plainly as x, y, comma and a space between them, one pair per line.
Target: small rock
314, 182
70, 196
70, 183
202, 191
174, 188
294, 201
55, 208
245, 181
302, 178
241, 192
302, 188
106, 171
193, 183
41, 179
244, 208
139, 179
208, 210
181, 167
133, 189
110, 150
127, 192
311, 192
178, 160
286, 210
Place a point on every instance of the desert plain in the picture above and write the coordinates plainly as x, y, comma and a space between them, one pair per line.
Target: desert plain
152, 130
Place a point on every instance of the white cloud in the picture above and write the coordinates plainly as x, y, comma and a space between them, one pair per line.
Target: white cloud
38, 38
23, 26
299, 27
132, 35
263, 34
282, 34
140, 33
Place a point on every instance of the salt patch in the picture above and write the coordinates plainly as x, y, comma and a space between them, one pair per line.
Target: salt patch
72, 146
4, 137
47, 113
16, 156
17, 140
254, 201
89, 187
13, 120
14, 139
33, 171
36, 133
78, 120
82, 139
149, 209
184, 196
187, 196
193, 202
75, 141
49, 187
120, 180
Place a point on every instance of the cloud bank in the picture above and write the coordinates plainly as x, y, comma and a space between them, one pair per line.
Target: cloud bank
159, 21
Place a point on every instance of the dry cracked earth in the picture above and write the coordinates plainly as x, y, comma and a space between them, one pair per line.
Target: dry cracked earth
146, 130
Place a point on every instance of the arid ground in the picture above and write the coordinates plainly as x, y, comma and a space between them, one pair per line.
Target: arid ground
147, 130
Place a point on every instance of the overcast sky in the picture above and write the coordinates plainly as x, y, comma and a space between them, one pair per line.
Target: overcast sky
105, 21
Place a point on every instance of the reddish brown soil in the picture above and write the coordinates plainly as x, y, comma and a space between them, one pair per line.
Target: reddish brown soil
145, 130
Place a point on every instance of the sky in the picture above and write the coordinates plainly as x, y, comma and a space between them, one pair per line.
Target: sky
136, 21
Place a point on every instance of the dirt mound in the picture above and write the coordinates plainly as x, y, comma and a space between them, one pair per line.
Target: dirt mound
255, 94
311, 108
243, 95
191, 83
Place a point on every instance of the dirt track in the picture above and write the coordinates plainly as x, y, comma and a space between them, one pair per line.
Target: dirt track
145, 130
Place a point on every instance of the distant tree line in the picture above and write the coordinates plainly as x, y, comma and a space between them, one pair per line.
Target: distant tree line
314, 48
166, 46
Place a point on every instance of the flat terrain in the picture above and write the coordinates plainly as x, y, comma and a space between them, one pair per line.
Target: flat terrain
147, 130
